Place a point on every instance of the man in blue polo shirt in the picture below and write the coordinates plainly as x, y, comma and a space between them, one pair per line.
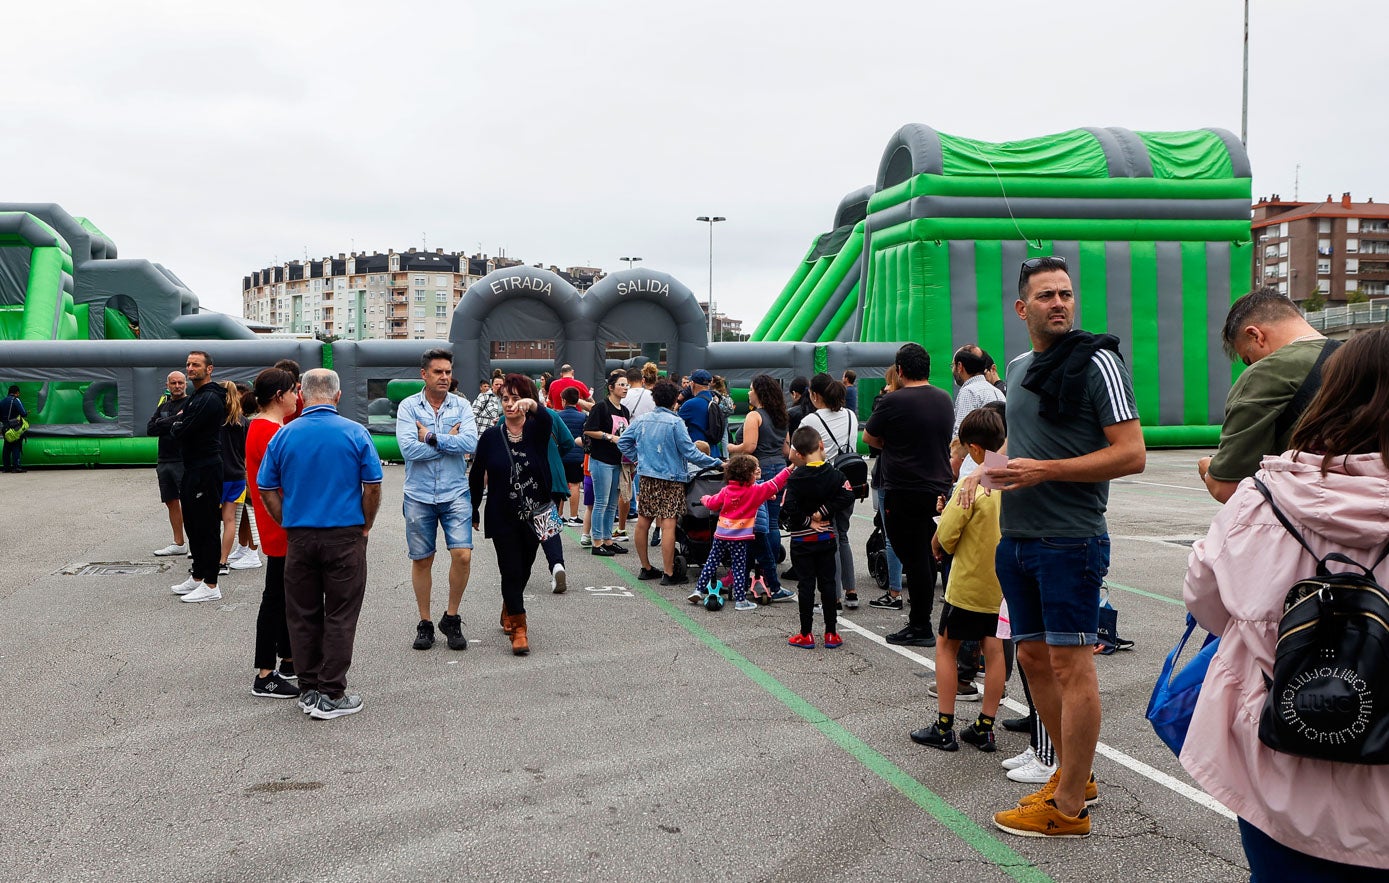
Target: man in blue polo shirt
436, 432
321, 480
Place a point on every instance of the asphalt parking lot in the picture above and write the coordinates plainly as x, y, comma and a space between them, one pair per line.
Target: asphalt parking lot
643, 738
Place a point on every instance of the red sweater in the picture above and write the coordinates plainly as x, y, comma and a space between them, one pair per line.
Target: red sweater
272, 537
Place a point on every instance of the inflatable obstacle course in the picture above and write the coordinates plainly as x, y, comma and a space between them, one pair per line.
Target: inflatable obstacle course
1154, 226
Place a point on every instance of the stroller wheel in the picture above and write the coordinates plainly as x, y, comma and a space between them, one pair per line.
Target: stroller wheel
681, 565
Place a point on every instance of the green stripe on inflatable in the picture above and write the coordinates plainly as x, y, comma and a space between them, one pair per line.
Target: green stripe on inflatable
1241, 272
787, 291
817, 299
992, 302
327, 356
1181, 436
43, 299
387, 448
1110, 229
1185, 155
802, 292
931, 269
1143, 267
822, 359
1071, 188
1194, 332
841, 316
1092, 289
1076, 154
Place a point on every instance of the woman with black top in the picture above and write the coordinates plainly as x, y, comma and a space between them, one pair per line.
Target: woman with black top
764, 437
606, 421
513, 458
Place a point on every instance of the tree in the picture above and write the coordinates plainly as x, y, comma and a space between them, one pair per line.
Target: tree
1315, 302
1357, 297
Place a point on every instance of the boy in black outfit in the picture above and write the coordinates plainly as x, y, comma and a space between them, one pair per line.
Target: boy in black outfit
815, 493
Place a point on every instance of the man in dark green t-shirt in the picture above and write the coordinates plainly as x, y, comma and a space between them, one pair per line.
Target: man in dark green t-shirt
1267, 332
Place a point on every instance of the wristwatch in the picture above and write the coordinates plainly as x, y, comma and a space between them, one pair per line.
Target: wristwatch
430, 440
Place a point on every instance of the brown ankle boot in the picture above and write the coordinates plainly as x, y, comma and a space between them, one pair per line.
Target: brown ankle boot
506, 620
519, 644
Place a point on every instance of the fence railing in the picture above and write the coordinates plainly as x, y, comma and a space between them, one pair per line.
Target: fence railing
1372, 312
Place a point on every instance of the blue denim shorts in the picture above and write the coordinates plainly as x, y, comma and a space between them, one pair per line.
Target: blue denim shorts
422, 522
1052, 585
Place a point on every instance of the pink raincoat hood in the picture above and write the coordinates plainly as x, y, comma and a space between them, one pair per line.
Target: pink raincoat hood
1341, 506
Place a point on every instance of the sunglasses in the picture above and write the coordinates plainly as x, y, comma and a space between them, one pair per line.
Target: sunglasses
1034, 265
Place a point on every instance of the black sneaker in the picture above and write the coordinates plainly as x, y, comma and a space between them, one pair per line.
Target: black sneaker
886, 602
935, 737
674, 579
223, 569
286, 670
980, 738
851, 600
452, 626
650, 573
618, 550
308, 700
910, 637
274, 687
424, 635
1018, 724
655, 538
604, 551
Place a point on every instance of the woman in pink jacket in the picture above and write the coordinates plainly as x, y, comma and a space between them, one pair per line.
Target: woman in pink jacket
1300, 818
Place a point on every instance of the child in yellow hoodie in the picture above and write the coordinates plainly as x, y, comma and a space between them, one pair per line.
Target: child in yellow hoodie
972, 597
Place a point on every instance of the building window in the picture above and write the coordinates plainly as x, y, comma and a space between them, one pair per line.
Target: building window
1352, 265
1323, 268
1352, 246
1324, 225
419, 312
441, 280
1283, 249
441, 310
419, 295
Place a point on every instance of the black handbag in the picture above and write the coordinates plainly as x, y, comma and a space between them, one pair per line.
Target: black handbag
1329, 690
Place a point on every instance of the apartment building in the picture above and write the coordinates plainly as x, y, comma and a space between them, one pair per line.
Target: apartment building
1331, 252
407, 295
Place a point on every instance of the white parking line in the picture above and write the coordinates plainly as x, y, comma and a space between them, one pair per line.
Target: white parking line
1196, 795
1180, 487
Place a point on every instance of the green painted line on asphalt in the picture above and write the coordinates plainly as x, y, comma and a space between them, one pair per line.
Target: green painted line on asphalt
981, 841
1156, 597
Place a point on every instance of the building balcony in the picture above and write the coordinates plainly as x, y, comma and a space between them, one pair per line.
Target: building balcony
1372, 272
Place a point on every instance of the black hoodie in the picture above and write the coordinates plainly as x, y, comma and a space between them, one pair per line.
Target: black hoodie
198, 427
814, 490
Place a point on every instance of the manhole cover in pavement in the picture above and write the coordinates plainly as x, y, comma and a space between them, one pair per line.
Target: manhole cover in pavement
113, 568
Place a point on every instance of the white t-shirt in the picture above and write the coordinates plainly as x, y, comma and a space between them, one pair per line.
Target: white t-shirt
638, 401
842, 423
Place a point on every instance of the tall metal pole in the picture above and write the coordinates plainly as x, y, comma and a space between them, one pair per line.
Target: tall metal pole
711, 221
1244, 112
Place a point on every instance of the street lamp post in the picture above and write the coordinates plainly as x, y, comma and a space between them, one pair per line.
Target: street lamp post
711, 221
630, 261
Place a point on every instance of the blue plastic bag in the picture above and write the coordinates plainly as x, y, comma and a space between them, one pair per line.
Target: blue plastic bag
1174, 698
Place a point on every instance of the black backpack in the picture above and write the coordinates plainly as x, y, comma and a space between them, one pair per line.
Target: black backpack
1329, 694
849, 462
717, 423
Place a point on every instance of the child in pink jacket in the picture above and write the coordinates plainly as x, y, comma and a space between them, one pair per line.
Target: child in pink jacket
737, 504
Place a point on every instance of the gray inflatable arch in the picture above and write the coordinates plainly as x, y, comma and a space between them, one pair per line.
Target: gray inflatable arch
517, 303
644, 306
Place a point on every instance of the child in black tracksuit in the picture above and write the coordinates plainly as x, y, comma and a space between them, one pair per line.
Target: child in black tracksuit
815, 493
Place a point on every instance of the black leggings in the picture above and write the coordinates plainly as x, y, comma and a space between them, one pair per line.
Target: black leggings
516, 548
272, 634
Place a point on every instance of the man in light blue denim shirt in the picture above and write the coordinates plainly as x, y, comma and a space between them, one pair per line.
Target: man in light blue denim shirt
436, 432
661, 445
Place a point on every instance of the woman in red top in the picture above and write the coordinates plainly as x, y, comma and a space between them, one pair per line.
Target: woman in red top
275, 394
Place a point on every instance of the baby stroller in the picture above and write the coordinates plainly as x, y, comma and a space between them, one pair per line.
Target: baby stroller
877, 552
694, 532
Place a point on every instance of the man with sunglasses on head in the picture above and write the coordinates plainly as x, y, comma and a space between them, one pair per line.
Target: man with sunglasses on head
1072, 427
1266, 331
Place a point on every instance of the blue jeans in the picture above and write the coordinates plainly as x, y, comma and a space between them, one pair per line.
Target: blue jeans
768, 537
1052, 585
422, 522
1271, 861
894, 564
607, 480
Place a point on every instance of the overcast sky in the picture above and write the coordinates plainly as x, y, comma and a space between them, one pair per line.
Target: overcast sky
577, 133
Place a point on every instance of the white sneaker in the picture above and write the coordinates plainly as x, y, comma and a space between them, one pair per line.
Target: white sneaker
248, 560
203, 592
1021, 760
171, 549
1034, 773
237, 551
557, 579
186, 586
585, 540
745, 604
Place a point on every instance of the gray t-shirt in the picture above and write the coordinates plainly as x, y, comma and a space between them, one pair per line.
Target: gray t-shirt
1064, 508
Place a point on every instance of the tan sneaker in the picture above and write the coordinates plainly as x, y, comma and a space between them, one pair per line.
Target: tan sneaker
1043, 819
1092, 791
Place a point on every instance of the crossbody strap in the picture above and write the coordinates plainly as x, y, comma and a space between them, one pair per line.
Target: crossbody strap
1305, 393
839, 449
